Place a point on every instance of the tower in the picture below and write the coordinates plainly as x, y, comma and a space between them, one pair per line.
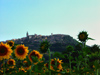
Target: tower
27, 34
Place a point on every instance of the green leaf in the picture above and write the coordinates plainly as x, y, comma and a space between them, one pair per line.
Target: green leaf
58, 54
74, 62
90, 38
34, 59
70, 57
28, 60
80, 57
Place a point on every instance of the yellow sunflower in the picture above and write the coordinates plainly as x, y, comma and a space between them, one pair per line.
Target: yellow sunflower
10, 43
2, 65
44, 69
11, 62
47, 66
35, 53
59, 71
24, 62
12, 67
5, 51
21, 52
93, 66
22, 69
1, 71
67, 70
59, 66
27, 66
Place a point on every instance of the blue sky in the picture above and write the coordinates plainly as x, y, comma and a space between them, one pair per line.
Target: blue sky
44, 17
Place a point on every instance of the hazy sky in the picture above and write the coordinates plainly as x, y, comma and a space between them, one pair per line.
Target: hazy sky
44, 17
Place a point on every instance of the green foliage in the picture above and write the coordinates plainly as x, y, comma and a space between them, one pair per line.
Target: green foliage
34, 59
95, 48
70, 49
58, 55
38, 67
27, 59
20, 73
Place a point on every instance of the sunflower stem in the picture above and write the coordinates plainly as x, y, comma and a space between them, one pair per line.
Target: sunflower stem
4, 67
84, 43
49, 61
70, 63
56, 65
30, 72
78, 66
97, 71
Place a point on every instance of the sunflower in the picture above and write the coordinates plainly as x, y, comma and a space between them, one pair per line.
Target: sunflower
36, 54
44, 69
12, 67
83, 36
1, 71
11, 62
5, 51
22, 69
44, 46
59, 66
67, 70
27, 66
10, 43
47, 66
21, 52
93, 66
2, 65
59, 71
24, 62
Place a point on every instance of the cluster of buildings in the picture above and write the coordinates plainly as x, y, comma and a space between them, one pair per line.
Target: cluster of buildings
36, 38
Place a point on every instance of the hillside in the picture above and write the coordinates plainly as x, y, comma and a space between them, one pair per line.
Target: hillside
58, 41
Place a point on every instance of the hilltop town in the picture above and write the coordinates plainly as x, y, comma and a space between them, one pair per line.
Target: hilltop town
58, 41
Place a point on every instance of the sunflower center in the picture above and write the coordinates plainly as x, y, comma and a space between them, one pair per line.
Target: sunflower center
53, 63
33, 54
10, 43
47, 65
82, 36
61, 70
37, 55
20, 51
43, 46
10, 62
27, 65
3, 51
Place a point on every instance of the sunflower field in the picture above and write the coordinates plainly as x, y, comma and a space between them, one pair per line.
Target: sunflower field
17, 60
